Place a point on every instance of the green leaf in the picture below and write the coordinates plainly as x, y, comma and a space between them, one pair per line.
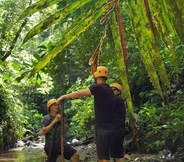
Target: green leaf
15, 66
145, 41
80, 25
159, 65
37, 56
38, 79
18, 79
164, 26
175, 8
121, 63
2, 83
37, 7
6, 77
56, 17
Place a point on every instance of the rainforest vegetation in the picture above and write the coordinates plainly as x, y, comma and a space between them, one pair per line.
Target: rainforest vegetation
52, 47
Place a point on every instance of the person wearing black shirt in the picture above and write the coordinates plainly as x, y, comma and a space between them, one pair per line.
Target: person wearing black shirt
104, 104
119, 121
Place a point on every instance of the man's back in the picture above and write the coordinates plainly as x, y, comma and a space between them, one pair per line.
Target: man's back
119, 111
104, 103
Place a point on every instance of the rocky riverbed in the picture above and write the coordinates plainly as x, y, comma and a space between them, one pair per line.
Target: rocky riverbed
87, 153
32, 151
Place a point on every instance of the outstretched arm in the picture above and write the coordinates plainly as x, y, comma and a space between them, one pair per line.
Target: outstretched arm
76, 94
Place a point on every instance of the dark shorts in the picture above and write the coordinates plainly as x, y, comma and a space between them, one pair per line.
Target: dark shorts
116, 149
103, 141
109, 143
69, 151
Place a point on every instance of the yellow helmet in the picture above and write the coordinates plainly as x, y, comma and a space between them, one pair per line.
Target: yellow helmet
101, 71
50, 102
116, 85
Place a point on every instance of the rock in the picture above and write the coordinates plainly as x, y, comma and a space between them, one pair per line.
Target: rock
75, 140
19, 144
127, 157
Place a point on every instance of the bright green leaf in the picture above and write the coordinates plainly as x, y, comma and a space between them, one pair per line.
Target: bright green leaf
37, 7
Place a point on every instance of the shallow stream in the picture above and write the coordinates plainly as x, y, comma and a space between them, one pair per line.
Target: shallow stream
23, 155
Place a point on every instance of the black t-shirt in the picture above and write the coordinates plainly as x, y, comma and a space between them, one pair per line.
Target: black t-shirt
119, 112
104, 102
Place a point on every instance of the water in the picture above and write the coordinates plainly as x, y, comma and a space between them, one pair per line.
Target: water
26, 155
36, 154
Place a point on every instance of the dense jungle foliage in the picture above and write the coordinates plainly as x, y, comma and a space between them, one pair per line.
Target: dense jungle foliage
45, 50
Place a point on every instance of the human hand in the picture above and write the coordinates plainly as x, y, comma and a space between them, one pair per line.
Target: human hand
57, 118
60, 99
59, 102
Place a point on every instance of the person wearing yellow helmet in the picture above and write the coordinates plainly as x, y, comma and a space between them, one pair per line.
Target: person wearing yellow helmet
117, 88
119, 121
104, 105
51, 128
101, 72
